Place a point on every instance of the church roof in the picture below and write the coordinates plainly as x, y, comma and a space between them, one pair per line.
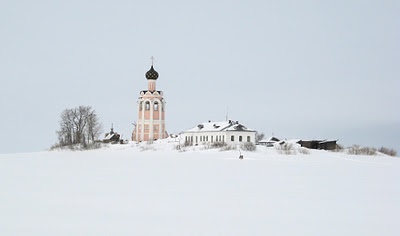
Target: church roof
152, 74
219, 126
145, 91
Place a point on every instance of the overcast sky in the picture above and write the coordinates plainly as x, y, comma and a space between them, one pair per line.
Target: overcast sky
298, 69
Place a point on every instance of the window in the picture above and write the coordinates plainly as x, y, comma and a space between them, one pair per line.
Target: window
248, 139
211, 138
240, 138
147, 105
140, 106
207, 138
156, 106
201, 138
232, 138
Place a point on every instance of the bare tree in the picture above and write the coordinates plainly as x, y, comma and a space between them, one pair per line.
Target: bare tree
79, 126
259, 137
94, 128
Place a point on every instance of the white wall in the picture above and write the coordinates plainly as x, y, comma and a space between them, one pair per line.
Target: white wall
223, 136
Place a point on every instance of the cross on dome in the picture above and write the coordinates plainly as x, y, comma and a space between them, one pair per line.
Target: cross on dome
152, 60
152, 74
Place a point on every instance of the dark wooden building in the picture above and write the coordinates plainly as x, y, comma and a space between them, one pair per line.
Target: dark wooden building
112, 137
328, 145
319, 144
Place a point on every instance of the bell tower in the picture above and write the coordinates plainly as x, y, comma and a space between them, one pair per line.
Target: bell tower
151, 111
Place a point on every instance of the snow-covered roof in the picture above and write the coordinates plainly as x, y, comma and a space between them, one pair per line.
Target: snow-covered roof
328, 141
238, 127
212, 126
269, 140
319, 140
109, 136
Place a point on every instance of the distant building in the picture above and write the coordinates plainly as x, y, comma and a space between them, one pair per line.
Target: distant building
269, 142
111, 137
319, 144
230, 132
151, 112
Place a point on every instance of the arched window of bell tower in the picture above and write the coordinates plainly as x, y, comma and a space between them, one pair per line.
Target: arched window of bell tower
162, 104
147, 106
156, 106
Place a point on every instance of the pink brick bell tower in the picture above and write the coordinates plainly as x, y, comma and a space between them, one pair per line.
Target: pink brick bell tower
151, 111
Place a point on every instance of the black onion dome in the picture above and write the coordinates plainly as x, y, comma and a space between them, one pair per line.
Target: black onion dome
152, 74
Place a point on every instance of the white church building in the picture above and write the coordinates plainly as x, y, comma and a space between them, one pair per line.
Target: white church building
229, 132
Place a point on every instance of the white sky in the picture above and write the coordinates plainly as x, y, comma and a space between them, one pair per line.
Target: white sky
309, 69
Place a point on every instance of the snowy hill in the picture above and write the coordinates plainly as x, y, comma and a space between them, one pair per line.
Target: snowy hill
156, 190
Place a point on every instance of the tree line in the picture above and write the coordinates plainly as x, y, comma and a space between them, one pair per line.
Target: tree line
78, 126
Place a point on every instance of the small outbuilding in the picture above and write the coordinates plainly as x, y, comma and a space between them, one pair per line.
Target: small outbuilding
328, 145
319, 144
269, 142
112, 137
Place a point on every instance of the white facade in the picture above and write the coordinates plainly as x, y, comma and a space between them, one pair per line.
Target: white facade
229, 132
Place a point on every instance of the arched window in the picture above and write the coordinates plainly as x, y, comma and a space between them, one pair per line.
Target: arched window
140, 106
147, 105
156, 106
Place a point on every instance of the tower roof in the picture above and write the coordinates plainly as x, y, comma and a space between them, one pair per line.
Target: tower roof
152, 74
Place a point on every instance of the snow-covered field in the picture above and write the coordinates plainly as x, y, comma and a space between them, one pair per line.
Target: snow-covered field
123, 190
